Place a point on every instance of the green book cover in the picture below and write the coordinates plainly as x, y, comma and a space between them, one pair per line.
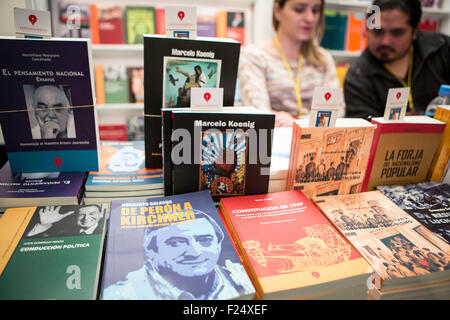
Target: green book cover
335, 30
58, 256
116, 84
139, 20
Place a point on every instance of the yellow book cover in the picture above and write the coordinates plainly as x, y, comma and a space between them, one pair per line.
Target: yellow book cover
443, 151
12, 225
400, 249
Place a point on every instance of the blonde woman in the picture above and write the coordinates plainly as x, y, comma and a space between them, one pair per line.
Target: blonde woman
281, 73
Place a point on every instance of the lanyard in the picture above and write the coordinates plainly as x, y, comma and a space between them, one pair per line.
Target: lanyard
288, 68
406, 84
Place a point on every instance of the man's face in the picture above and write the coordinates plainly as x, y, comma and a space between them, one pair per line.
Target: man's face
88, 217
395, 37
49, 103
188, 249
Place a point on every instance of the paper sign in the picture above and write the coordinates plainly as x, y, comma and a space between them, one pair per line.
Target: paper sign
325, 107
32, 23
181, 22
206, 98
396, 103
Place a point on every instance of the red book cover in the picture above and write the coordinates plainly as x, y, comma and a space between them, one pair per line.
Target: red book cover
402, 151
291, 249
236, 26
110, 24
429, 25
113, 132
160, 21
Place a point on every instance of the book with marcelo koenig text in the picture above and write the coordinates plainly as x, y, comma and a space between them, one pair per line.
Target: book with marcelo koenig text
172, 67
52, 252
171, 248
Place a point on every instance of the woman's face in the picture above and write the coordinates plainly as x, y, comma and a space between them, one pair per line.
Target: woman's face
298, 19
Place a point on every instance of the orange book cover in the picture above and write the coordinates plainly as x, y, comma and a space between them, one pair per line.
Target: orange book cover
99, 84
442, 155
160, 21
402, 151
355, 32
400, 249
330, 160
221, 24
291, 249
94, 23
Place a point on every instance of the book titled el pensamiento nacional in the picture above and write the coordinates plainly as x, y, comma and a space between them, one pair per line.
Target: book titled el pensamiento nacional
47, 105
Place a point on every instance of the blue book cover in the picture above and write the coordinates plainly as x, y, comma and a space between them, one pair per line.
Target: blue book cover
335, 30
39, 188
171, 248
427, 202
47, 105
122, 168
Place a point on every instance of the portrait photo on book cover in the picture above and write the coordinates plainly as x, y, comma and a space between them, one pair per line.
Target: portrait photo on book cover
50, 111
64, 221
223, 163
182, 261
182, 74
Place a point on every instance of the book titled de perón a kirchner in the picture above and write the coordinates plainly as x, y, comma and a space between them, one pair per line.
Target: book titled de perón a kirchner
291, 250
403, 252
51, 252
171, 248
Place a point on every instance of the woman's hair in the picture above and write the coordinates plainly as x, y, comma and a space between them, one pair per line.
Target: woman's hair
310, 48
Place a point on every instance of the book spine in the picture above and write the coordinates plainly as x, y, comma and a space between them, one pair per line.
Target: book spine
94, 23
373, 151
167, 152
221, 24
99, 84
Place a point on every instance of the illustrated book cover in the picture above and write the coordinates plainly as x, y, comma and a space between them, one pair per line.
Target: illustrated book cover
171, 248
329, 160
52, 252
122, 168
47, 109
172, 67
427, 202
442, 154
139, 20
402, 151
402, 251
292, 250
110, 24
39, 188
70, 19
227, 152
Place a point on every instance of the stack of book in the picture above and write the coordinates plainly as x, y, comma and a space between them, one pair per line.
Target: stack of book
291, 250
122, 174
39, 188
410, 261
329, 160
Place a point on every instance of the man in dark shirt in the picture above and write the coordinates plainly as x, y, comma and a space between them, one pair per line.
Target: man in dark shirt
397, 55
